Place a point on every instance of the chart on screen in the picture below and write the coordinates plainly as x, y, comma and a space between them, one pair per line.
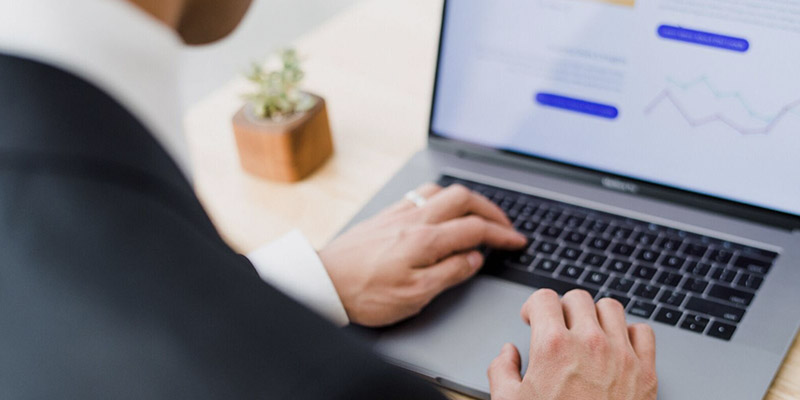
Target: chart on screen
700, 103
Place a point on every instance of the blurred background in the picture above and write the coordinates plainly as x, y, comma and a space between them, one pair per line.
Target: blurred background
269, 25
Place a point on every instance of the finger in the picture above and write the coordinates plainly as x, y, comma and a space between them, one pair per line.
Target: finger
543, 310
643, 340
611, 315
504, 372
468, 232
426, 190
457, 201
579, 310
451, 271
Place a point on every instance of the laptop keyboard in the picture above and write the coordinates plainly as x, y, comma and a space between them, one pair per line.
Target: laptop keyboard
674, 277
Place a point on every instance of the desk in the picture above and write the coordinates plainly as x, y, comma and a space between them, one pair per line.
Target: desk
374, 64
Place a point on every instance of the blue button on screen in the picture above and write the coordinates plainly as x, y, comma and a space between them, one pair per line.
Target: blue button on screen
577, 105
703, 38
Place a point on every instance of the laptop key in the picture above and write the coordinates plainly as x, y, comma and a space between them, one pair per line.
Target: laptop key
649, 256
528, 227
673, 262
645, 273
596, 278
625, 300
552, 231
571, 253
575, 237
752, 265
695, 285
669, 278
574, 221
622, 249
622, 285
598, 226
621, 233
671, 298
720, 256
669, 316
721, 330
735, 296
695, 250
619, 266
595, 260
646, 291
571, 272
715, 309
723, 274
698, 268
524, 259
546, 265
599, 243
695, 323
551, 215
750, 281
646, 239
546, 248
669, 243
642, 309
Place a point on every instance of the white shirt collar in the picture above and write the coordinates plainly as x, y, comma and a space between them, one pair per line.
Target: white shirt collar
112, 44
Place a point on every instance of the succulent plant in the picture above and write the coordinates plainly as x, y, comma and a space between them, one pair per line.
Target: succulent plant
277, 94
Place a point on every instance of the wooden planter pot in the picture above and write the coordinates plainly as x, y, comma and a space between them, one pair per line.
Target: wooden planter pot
284, 151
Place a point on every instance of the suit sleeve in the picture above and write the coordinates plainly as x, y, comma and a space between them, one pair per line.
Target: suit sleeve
108, 291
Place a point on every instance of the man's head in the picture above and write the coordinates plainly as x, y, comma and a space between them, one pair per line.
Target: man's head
197, 21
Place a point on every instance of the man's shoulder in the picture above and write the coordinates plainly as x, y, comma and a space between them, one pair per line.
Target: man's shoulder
47, 112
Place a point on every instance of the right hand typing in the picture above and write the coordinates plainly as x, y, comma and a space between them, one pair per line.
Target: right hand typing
579, 351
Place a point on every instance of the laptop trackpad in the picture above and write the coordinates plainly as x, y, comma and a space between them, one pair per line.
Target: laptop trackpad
461, 332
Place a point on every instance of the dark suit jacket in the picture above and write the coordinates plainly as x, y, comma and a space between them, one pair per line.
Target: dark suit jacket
115, 285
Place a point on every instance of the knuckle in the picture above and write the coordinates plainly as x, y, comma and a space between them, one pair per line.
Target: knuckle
554, 341
650, 379
429, 186
643, 329
543, 294
460, 191
496, 363
578, 294
465, 270
595, 340
628, 360
611, 304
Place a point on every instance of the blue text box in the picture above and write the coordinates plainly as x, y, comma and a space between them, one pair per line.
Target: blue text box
703, 38
577, 105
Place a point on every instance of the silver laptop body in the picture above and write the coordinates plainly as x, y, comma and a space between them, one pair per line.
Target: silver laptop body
575, 83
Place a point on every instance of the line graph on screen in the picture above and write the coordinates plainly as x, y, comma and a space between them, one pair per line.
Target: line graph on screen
767, 123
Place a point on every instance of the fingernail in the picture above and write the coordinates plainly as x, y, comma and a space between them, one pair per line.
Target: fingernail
522, 238
507, 347
475, 259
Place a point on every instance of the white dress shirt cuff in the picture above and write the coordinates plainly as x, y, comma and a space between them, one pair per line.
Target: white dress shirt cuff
292, 266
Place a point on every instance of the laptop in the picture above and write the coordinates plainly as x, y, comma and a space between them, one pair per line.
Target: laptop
649, 151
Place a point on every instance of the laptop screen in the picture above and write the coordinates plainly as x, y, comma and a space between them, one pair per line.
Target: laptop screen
700, 95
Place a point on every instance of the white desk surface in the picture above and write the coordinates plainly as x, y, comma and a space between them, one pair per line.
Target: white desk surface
374, 64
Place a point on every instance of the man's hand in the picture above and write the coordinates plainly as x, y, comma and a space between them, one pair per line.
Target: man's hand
579, 350
391, 266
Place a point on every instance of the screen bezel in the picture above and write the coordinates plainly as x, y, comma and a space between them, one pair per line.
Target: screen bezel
595, 176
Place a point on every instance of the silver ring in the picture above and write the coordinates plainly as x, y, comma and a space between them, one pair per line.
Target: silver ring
416, 198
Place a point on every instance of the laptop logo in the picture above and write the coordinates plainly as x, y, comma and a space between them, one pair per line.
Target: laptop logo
622, 186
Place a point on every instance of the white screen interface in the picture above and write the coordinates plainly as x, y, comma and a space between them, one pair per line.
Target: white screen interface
701, 95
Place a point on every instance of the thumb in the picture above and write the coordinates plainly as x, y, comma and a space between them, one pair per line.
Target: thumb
504, 373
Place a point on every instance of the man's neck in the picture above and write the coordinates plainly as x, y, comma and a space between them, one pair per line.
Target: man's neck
167, 11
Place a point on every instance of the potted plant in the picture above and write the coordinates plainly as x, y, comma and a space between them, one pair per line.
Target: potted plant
282, 133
